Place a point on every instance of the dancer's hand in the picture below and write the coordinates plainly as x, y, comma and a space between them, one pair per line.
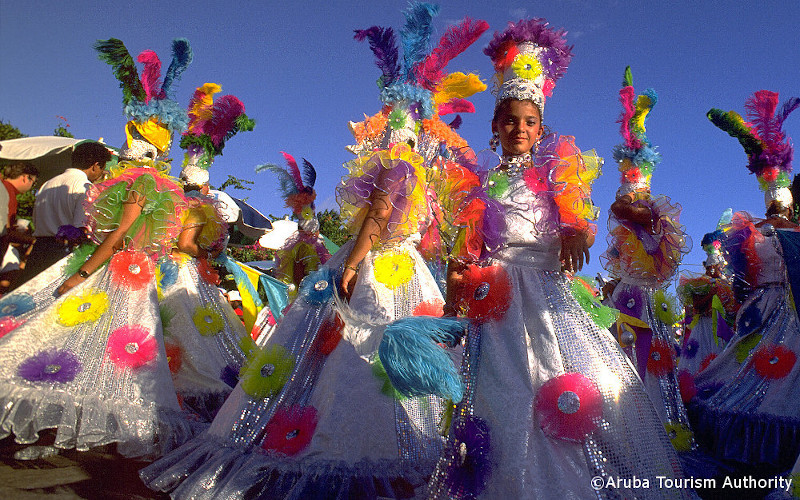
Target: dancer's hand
574, 252
71, 283
349, 277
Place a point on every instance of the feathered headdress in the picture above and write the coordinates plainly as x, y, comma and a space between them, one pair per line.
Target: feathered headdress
529, 57
210, 125
636, 156
769, 151
712, 242
153, 115
297, 188
416, 90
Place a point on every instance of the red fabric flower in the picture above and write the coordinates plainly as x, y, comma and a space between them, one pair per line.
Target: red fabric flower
660, 361
770, 174
774, 361
290, 430
632, 175
485, 293
706, 361
130, 269
433, 307
569, 407
330, 333
687, 386
505, 55
207, 272
174, 357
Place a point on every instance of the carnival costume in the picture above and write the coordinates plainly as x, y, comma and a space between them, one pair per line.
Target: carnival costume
91, 363
304, 251
644, 260
204, 337
711, 311
549, 399
314, 414
746, 409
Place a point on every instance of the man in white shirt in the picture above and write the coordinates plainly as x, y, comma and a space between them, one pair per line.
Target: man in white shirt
59, 203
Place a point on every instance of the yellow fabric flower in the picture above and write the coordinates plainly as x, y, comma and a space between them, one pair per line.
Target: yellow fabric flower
208, 321
394, 269
527, 66
83, 308
680, 435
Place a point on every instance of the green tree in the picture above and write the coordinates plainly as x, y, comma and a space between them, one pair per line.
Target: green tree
61, 130
330, 224
236, 183
8, 131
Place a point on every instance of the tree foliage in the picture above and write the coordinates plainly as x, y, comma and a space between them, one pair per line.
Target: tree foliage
8, 131
236, 183
331, 225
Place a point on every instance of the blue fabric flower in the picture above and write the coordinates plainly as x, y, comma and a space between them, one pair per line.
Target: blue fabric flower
17, 304
169, 272
317, 287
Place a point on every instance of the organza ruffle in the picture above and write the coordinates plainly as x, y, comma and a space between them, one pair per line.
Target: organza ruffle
636, 253
159, 223
561, 175
398, 173
226, 472
88, 420
749, 438
304, 252
202, 211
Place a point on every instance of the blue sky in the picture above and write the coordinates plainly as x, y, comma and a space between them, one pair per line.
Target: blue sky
302, 76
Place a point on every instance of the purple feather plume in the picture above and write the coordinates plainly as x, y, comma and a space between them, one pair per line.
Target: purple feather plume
778, 151
456, 123
558, 54
50, 366
294, 171
309, 174
383, 44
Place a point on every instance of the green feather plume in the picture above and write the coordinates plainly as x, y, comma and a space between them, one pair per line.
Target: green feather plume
113, 52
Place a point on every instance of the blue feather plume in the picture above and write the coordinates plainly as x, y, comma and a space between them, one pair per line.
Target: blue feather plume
309, 174
790, 105
415, 364
181, 59
416, 35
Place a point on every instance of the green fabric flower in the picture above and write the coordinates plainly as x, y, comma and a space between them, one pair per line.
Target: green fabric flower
379, 372
497, 185
664, 305
746, 346
266, 371
603, 316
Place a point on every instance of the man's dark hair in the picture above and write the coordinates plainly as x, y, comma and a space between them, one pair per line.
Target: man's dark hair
87, 154
19, 169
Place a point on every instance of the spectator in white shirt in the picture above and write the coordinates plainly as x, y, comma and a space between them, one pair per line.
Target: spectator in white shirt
59, 206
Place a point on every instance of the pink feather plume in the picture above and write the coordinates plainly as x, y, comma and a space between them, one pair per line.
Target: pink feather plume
627, 96
294, 170
455, 41
223, 120
151, 75
456, 106
761, 111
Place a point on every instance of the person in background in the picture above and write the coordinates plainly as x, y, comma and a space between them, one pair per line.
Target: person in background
18, 178
58, 216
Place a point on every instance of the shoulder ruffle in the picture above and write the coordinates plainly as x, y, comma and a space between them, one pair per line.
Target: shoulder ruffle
160, 221
400, 174
202, 210
634, 252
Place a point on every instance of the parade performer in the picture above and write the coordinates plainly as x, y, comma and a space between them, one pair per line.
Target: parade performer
550, 401
87, 355
314, 414
746, 409
203, 335
304, 251
645, 245
711, 311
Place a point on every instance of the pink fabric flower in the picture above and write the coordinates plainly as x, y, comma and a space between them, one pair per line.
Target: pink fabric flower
569, 407
661, 360
485, 293
8, 324
290, 430
433, 307
131, 346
